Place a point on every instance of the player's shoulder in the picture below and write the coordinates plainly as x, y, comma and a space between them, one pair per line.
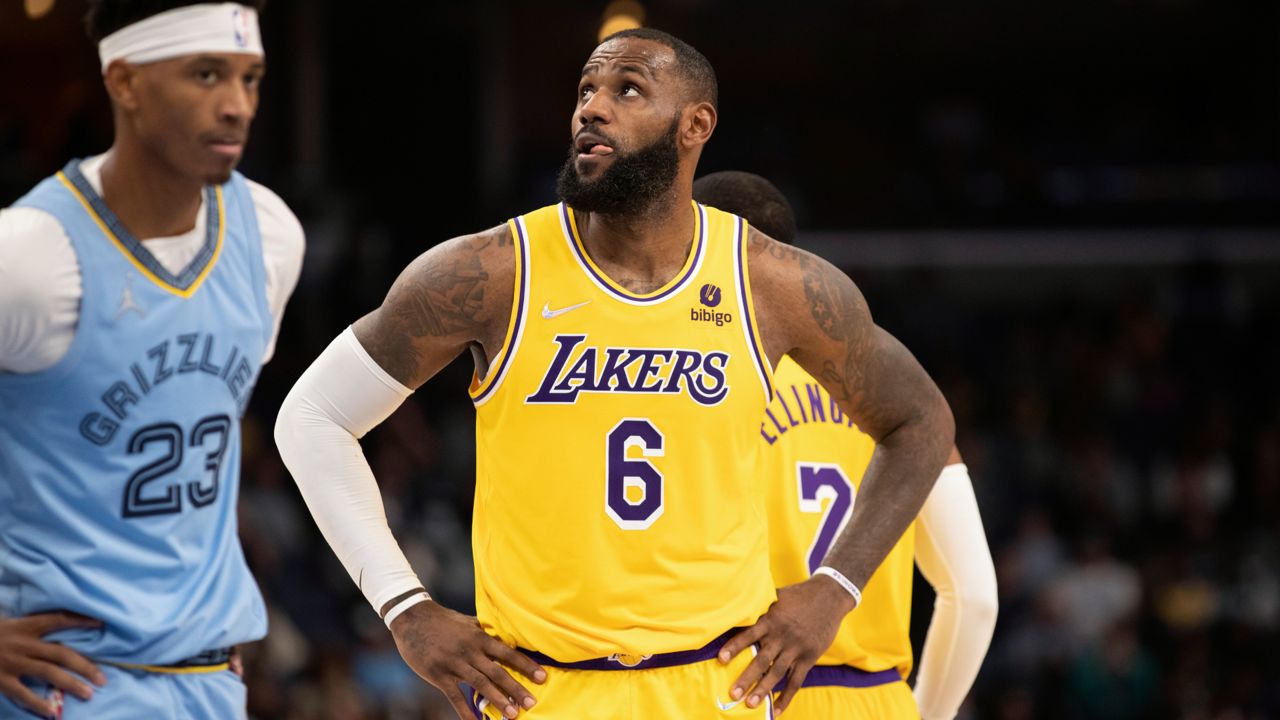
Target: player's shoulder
780, 272
797, 293
483, 261
33, 243
21, 224
456, 293
494, 248
778, 260
267, 200
38, 275
277, 223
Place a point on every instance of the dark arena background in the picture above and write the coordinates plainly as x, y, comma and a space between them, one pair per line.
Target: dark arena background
1069, 210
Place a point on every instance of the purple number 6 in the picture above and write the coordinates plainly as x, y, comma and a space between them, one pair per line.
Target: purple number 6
621, 473
818, 482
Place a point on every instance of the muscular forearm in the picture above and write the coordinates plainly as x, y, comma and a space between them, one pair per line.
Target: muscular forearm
882, 386
903, 469
343, 395
952, 552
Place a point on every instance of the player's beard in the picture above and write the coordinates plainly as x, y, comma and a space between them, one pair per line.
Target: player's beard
631, 183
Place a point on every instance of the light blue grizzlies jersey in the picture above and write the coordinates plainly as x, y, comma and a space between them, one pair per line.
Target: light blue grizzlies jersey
119, 465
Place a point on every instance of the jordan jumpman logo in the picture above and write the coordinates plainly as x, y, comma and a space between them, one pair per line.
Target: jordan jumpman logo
127, 302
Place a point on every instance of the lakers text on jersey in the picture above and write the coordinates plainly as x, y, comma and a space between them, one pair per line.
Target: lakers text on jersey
615, 456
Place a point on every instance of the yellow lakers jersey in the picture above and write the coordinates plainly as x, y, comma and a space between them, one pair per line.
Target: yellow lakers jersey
814, 458
616, 451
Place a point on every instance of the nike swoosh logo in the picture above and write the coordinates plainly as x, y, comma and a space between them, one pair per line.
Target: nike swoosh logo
724, 706
548, 313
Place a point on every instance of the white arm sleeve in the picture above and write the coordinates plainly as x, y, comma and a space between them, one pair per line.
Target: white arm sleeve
41, 287
342, 396
952, 553
39, 290
283, 243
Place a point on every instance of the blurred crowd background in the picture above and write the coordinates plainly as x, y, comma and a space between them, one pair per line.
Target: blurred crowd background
1070, 211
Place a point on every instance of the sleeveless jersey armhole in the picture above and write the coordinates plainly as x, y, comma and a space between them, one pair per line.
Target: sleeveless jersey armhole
482, 390
247, 210
754, 341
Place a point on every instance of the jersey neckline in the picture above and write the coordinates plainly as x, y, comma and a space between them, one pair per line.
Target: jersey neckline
183, 284
690, 269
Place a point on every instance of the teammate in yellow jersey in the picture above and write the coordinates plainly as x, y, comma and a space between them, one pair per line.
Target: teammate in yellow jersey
814, 462
624, 342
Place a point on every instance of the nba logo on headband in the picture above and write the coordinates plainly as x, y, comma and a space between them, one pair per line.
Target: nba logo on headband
225, 27
241, 26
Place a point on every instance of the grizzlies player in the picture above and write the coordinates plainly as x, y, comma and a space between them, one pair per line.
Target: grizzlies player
814, 458
623, 342
140, 291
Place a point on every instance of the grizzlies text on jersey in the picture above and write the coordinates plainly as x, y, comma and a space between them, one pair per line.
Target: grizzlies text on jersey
119, 465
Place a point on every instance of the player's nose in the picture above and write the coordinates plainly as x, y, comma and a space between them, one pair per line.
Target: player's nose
236, 104
596, 109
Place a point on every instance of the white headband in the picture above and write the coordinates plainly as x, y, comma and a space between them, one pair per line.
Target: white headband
208, 28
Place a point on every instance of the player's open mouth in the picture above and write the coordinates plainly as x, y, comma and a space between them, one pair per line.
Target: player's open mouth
591, 144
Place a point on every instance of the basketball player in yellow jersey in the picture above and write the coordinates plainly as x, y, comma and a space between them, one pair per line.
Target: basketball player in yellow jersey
813, 463
624, 342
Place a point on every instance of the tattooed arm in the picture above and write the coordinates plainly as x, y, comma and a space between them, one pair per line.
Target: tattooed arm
810, 310
456, 295
875, 379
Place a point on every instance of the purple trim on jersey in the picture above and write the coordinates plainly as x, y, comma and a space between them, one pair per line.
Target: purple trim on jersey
578, 249
661, 660
496, 376
763, 366
844, 676
473, 701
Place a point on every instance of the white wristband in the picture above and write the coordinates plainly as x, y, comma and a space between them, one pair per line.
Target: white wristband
398, 609
844, 582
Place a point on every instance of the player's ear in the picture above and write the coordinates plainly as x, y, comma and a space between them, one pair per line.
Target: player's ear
699, 122
120, 80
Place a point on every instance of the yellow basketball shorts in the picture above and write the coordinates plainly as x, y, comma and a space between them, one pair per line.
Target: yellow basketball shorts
696, 689
840, 693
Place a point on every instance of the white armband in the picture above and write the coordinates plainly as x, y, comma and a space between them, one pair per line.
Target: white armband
342, 396
398, 609
843, 581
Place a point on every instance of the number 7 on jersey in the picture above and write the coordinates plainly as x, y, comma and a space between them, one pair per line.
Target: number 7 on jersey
818, 482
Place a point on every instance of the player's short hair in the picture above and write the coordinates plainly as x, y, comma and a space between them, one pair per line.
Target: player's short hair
692, 65
750, 197
107, 16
